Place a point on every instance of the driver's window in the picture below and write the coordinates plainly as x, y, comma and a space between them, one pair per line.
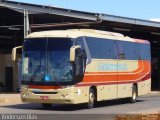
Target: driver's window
81, 60
79, 41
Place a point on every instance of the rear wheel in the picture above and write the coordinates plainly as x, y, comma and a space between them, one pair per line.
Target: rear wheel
91, 100
46, 105
133, 99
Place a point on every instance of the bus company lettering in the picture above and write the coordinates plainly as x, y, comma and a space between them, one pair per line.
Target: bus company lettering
106, 66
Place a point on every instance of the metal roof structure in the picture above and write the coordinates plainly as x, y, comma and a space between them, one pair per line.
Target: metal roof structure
13, 22
132, 21
38, 9
41, 9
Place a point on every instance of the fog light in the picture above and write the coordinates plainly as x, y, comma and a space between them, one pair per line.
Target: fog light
27, 95
67, 95
62, 96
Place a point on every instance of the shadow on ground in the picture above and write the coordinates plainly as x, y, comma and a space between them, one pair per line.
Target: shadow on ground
57, 107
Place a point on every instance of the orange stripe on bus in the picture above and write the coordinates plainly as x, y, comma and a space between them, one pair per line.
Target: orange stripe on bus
120, 76
44, 87
146, 77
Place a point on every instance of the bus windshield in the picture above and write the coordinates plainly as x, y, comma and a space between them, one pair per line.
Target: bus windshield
46, 61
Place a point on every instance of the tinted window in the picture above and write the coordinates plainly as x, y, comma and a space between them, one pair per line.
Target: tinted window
101, 48
47, 60
79, 41
106, 49
131, 51
121, 52
145, 51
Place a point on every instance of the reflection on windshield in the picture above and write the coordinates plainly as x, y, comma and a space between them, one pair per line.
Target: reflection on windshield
47, 60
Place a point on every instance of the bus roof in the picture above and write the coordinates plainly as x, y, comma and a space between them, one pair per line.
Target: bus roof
75, 33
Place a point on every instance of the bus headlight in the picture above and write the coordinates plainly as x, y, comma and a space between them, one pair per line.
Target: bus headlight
25, 95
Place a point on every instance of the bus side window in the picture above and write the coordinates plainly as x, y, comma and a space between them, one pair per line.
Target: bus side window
131, 50
81, 58
145, 51
101, 48
121, 52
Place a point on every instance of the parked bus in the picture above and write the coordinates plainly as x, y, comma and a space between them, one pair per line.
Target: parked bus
83, 66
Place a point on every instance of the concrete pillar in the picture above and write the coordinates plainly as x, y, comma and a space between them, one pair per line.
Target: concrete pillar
26, 23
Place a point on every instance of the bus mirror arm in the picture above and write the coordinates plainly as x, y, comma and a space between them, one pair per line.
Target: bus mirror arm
14, 52
73, 52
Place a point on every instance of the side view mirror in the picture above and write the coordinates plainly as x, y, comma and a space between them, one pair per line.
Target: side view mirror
14, 52
73, 52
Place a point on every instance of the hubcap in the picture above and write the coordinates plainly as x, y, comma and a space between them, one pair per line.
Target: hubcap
91, 96
134, 95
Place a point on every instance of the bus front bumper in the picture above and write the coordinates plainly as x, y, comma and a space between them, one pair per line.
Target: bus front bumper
63, 96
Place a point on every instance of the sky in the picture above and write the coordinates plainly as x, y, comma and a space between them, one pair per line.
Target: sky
140, 9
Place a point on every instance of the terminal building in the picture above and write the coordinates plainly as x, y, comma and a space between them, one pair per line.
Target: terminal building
19, 19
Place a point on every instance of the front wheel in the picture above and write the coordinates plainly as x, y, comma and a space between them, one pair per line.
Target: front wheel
133, 99
91, 100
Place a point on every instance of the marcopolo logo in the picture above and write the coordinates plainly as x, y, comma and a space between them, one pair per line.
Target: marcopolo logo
112, 67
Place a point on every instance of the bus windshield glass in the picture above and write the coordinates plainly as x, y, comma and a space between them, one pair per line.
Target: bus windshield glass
46, 61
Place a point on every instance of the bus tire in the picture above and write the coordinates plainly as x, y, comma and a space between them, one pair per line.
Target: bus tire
46, 105
133, 98
91, 101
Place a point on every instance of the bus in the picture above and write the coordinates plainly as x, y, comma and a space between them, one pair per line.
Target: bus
83, 66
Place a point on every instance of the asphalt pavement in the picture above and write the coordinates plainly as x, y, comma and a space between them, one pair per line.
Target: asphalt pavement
148, 104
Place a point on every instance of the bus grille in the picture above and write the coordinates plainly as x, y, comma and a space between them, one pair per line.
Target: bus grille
45, 92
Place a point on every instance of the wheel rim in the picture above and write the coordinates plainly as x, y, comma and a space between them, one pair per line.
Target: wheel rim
91, 100
134, 95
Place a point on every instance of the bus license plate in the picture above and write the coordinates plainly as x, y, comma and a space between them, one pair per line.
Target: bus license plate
44, 97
